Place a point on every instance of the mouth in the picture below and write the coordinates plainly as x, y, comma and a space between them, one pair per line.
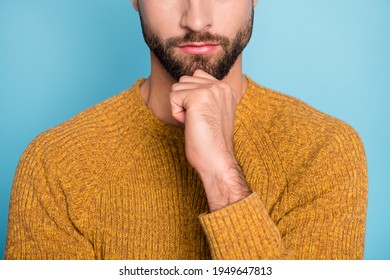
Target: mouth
198, 48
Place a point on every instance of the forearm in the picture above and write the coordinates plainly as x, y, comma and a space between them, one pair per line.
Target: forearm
225, 187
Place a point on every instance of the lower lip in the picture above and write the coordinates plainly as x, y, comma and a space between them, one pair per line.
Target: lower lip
204, 49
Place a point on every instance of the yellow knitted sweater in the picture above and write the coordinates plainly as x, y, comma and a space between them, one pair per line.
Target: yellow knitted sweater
114, 183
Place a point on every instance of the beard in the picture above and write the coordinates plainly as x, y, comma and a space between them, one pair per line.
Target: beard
217, 65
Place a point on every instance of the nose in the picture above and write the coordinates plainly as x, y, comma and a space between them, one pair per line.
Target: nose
197, 15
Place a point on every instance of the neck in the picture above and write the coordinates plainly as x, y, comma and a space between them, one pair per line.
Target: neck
156, 89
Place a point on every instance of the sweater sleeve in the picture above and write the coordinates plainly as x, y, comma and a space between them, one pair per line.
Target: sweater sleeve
39, 226
243, 230
326, 219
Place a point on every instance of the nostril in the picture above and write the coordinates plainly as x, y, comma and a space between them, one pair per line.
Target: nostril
197, 17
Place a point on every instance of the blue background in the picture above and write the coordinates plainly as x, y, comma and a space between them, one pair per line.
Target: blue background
60, 57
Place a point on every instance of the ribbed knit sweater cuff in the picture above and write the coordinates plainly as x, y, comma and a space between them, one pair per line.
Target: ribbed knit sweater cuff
243, 230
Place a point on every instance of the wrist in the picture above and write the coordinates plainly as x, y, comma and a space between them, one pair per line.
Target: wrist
225, 186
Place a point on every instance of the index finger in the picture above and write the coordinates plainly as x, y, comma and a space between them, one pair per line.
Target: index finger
203, 74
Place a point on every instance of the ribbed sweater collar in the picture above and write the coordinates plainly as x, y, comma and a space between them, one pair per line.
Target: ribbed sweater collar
151, 122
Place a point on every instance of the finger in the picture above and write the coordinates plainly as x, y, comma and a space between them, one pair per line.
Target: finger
178, 100
194, 79
203, 74
187, 86
178, 112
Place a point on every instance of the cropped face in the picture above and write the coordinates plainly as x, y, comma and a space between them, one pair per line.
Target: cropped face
186, 35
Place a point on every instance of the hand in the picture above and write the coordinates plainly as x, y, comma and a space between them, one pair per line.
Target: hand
206, 107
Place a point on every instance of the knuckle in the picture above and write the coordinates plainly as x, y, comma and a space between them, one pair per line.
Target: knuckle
214, 87
218, 89
183, 79
224, 86
174, 86
198, 71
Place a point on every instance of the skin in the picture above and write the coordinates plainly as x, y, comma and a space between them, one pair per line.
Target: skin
202, 104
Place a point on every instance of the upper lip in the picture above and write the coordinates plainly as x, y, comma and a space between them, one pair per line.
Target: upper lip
197, 44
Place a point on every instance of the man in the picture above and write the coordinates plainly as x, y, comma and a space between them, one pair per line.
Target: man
195, 162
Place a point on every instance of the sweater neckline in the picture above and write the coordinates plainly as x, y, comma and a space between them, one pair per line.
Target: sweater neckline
151, 122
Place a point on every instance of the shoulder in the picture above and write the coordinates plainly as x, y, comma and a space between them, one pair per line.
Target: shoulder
94, 132
295, 129
283, 115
